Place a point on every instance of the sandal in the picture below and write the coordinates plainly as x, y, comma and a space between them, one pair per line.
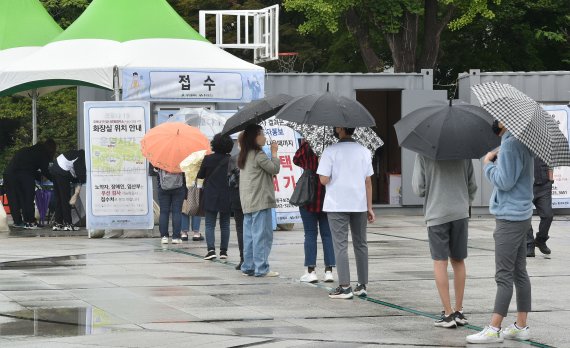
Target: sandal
197, 237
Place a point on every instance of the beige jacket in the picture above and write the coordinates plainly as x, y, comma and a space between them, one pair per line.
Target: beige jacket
256, 188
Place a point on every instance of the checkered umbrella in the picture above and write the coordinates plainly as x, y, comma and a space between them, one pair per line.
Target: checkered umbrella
319, 137
526, 120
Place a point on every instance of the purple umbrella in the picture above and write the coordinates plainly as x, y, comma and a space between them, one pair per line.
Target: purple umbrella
42, 202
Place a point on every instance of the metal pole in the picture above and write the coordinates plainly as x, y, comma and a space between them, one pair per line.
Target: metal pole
116, 87
34, 116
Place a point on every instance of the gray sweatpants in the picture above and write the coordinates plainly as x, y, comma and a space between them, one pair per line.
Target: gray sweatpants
510, 264
339, 223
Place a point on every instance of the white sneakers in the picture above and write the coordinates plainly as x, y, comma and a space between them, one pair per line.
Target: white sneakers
164, 240
176, 240
489, 335
312, 277
514, 333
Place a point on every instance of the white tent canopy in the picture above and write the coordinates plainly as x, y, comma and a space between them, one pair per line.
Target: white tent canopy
86, 55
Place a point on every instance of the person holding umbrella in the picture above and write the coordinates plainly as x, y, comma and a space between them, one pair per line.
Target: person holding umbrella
345, 169
165, 146
510, 170
526, 130
314, 217
68, 168
257, 195
448, 188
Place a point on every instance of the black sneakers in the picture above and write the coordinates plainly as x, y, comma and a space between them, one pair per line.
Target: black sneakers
360, 290
223, 254
341, 293
446, 321
530, 251
210, 255
543, 248
460, 319
31, 226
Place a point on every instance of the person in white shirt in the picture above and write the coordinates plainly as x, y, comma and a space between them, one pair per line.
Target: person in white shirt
345, 168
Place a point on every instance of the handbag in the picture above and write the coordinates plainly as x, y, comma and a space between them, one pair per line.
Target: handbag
193, 205
304, 192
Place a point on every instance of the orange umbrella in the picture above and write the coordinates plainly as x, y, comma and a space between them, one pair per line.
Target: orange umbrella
166, 145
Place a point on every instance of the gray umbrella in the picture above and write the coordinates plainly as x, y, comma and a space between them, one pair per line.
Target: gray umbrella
326, 110
255, 112
448, 131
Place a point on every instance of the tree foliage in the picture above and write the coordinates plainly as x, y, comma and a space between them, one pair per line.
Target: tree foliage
410, 28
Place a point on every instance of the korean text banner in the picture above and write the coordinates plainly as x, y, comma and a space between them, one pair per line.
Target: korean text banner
119, 190
192, 85
561, 186
284, 182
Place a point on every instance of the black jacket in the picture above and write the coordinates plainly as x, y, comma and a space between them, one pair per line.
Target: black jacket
540, 172
30, 159
214, 171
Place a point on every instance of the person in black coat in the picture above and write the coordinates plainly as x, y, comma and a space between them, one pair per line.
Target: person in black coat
235, 202
214, 171
20, 181
69, 168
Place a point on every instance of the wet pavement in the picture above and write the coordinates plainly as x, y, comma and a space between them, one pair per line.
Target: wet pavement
71, 291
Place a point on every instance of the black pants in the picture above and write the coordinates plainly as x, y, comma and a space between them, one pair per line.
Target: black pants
62, 191
14, 199
543, 203
238, 217
21, 189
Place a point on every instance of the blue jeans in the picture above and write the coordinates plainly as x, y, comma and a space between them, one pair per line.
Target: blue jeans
257, 242
170, 201
211, 217
312, 222
196, 220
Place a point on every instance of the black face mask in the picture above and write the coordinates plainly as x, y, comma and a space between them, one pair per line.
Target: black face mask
496, 129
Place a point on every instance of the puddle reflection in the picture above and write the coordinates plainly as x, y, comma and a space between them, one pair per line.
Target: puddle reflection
60, 322
46, 262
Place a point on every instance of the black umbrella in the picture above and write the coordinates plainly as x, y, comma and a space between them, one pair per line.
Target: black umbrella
326, 110
255, 112
448, 131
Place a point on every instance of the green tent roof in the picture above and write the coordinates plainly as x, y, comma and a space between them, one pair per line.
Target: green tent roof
124, 20
25, 23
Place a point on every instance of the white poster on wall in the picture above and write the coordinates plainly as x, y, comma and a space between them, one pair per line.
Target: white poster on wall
284, 182
119, 190
561, 186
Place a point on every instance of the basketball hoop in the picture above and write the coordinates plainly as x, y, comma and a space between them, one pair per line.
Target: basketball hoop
286, 61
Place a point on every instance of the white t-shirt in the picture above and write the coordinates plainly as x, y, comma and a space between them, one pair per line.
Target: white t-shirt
348, 164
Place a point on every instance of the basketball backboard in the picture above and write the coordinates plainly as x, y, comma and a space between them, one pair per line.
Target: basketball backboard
257, 30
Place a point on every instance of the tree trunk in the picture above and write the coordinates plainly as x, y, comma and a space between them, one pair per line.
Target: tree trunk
359, 30
432, 34
403, 45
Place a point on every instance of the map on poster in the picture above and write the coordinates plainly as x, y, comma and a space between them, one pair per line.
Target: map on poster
561, 186
119, 191
285, 181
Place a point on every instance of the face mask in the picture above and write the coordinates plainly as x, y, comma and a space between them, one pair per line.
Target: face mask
496, 129
335, 133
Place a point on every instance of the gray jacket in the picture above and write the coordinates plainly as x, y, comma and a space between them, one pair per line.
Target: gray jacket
256, 188
448, 188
